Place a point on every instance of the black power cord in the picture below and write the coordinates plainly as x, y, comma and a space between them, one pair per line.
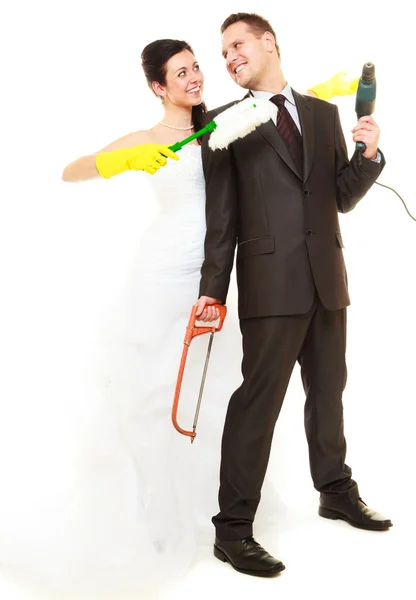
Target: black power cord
397, 194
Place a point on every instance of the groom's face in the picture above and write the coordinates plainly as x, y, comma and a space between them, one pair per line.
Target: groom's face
245, 54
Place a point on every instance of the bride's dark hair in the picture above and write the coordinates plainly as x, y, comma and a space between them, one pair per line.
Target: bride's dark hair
154, 60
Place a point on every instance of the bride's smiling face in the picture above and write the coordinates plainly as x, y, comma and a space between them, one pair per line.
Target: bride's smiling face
184, 81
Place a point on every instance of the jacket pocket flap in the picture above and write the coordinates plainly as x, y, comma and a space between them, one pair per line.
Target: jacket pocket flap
263, 245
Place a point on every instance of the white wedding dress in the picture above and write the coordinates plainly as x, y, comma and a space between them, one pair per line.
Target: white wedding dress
136, 498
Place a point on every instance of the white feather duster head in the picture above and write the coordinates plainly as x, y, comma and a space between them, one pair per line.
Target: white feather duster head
239, 120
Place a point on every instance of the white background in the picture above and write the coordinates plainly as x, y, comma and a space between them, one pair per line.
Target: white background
72, 82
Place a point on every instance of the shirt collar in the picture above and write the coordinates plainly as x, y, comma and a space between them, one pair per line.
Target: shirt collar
286, 92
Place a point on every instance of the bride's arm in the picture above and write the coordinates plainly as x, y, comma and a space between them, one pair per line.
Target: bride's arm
341, 84
85, 167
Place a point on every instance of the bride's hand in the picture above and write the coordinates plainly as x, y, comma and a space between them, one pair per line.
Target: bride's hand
205, 311
341, 84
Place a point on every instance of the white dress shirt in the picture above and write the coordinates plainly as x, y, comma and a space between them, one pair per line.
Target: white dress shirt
290, 103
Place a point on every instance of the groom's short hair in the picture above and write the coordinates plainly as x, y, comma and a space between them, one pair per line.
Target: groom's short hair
256, 23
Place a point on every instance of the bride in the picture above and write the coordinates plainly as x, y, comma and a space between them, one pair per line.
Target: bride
139, 497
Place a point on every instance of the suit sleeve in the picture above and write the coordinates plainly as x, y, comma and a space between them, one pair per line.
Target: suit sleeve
354, 177
221, 218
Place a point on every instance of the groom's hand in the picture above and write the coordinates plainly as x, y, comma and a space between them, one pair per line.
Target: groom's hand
205, 311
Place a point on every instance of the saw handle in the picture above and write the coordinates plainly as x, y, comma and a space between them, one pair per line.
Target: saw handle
192, 331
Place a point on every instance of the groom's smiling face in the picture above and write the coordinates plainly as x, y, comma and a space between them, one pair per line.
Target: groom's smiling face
246, 54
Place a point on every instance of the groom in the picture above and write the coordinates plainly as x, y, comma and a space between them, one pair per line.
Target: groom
276, 194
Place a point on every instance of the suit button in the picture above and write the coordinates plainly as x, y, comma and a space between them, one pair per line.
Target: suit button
309, 232
306, 193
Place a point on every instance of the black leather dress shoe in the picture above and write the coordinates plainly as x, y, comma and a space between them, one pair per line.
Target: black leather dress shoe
357, 514
247, 556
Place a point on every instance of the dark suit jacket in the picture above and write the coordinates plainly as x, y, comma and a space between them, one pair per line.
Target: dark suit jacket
284, 223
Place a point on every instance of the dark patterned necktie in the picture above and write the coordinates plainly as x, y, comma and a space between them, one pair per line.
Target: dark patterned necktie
287, 128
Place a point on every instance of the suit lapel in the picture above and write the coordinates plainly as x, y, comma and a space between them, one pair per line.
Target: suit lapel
305, 111
269, 131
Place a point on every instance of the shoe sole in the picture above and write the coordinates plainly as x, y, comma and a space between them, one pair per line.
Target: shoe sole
328, 513
224, 558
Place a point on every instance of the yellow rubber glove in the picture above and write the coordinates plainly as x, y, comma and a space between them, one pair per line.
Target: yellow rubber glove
341, 84
145, 157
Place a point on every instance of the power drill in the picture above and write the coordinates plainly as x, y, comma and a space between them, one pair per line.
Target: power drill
366, 96
364, 105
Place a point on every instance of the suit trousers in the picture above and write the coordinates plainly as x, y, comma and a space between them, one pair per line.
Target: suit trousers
271, 347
